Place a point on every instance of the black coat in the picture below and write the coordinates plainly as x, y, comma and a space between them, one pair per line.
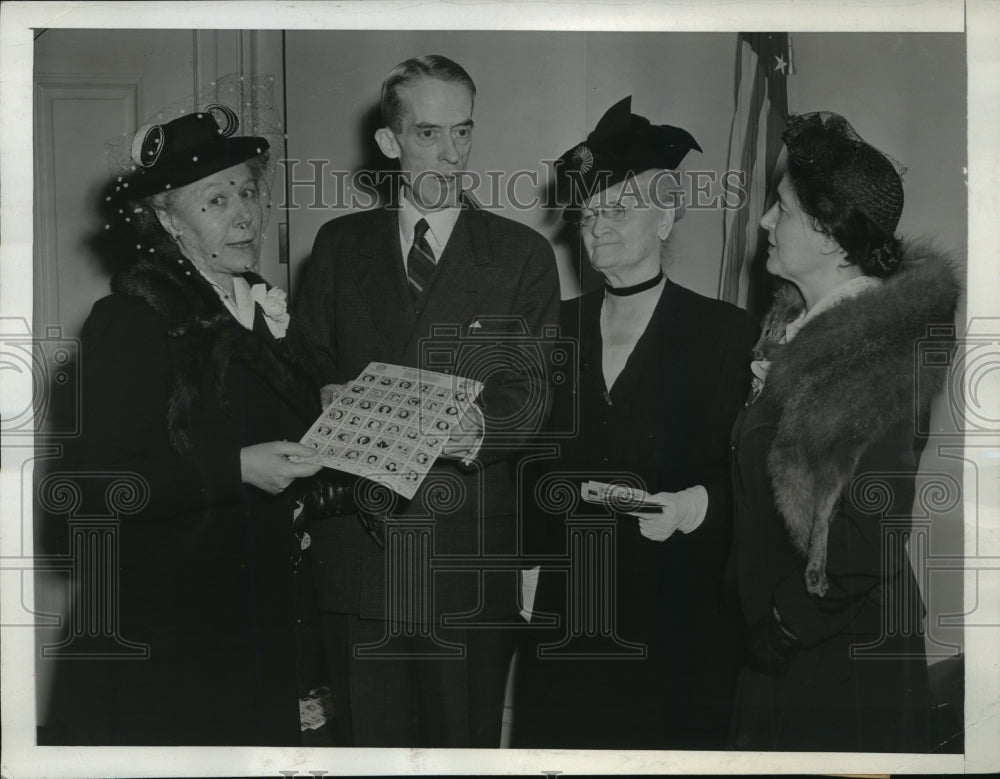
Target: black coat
206, 570
355, 301
826, 700
665, 427
836, 426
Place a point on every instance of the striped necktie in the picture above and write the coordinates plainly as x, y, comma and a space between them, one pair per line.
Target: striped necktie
420, 262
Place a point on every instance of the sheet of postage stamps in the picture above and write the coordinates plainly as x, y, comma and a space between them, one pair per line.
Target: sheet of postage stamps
391, 424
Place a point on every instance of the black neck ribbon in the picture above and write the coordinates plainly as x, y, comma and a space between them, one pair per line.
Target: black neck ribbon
635, 289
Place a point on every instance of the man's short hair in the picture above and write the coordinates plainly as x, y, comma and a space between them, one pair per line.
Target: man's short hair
405, 73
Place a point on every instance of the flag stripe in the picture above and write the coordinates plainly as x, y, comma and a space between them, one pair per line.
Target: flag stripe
754, 144
745, 62
748, 162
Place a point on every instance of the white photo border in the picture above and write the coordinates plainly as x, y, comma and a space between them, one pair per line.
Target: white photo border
979, 19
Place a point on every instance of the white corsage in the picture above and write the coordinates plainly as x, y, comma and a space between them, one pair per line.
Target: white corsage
273, 302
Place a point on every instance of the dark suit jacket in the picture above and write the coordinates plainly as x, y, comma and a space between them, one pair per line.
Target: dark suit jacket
355, 302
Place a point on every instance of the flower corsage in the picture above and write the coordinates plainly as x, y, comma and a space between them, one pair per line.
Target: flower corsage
273, 302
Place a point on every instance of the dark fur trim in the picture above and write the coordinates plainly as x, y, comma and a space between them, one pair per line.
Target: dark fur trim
842, 383
208, 338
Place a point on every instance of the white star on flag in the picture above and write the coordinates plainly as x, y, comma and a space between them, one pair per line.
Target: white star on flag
780, 63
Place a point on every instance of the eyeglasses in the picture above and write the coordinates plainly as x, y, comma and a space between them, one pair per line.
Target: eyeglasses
615, 212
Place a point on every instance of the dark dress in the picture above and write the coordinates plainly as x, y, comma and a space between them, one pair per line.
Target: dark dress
828, 700
206, 572
664, 426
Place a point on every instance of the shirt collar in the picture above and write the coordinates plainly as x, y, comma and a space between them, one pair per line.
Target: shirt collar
240, 304
439, 223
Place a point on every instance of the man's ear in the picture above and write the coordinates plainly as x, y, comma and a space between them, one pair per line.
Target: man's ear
386, 140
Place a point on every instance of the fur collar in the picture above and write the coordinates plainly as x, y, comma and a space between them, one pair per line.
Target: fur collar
842, 383
206, 338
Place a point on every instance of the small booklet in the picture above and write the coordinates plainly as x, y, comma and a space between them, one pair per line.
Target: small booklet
391, 424
619, 497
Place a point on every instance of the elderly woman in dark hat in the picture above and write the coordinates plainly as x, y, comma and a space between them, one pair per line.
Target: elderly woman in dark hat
195, 379
660, 377
825, 456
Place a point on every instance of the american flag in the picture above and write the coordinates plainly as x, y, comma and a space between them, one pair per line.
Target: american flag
763, 64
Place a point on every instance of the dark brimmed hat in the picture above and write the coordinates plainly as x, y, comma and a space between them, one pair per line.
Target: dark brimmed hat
623, 144
824, 146
189, 148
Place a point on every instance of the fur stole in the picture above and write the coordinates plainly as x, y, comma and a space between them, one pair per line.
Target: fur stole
842, 383
208, 338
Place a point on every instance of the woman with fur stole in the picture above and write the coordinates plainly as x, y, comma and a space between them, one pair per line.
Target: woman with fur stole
196, 382
824, 458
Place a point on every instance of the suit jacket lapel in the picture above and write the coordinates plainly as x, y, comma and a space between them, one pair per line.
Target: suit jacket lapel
464, 271
378, 268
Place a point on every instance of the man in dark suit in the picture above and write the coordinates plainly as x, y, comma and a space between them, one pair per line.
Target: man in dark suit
417, 652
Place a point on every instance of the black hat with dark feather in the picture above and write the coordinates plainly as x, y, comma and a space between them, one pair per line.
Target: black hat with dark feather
623, 144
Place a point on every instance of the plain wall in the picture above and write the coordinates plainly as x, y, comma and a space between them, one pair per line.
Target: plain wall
905, 94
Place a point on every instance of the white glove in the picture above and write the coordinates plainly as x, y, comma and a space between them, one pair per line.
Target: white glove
684, 511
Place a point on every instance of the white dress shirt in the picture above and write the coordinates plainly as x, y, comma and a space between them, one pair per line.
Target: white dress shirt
242, 304
439, 223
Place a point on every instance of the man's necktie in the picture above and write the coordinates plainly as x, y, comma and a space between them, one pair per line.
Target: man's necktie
420, 261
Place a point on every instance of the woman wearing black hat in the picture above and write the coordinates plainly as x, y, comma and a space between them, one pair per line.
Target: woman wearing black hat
825, 456
195, 380
643, 658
